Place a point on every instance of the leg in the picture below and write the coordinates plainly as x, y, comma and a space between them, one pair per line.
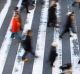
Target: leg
62, 34
54, 23
24, 56
12, 35
33, 53
17, 36
27, 10
22, 8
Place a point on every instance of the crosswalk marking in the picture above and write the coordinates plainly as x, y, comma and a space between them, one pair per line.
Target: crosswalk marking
74, 48
4, 12
75, 53
40, 46
5, 49
19, 64
58, 62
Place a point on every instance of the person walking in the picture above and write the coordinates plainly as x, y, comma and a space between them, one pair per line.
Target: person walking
15, 27
53, 54
52, 18
76, 2
27, 45
25, 5
16, 10
66, 68
69, 24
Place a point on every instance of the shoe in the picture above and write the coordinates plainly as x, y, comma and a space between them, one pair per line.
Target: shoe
60, 36
79, 62
28, 12
36, 56
70, 35
25, 60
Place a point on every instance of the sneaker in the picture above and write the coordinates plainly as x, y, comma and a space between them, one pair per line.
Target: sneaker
60, 36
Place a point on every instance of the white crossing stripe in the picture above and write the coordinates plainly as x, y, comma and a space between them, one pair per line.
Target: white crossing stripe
58, 62
40, 46
5, 49
74, 48
75, 53
19, 64
4, 12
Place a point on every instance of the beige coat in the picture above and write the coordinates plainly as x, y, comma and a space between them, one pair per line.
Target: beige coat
77, 0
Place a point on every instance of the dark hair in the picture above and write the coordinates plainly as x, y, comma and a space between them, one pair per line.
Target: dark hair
66, 66
29, 31
16, 8
54, 5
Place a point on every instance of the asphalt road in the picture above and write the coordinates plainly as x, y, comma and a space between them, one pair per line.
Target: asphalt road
66, 53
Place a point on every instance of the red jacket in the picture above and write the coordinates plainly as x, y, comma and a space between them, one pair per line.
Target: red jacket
15, 27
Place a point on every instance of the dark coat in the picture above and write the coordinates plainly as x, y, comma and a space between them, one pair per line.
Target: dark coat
52, 13
25, 2
69, 23
26, 44
53, 54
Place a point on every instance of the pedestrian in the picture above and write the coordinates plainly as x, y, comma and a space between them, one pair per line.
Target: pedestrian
69, 24
15, 27
53, 54
76, 2
52, 18
66, 68
27, 45
25, 5
16, 11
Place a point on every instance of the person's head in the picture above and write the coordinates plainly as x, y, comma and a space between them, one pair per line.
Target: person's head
16, 9
29, 32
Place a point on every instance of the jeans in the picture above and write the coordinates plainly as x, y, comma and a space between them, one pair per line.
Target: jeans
17, 36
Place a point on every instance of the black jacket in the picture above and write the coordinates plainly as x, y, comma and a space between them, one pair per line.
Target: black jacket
25, 2
27, 43
53, 54
52, 13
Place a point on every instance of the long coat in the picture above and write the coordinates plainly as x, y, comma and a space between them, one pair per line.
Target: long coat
69, 22
53, 54
52, 14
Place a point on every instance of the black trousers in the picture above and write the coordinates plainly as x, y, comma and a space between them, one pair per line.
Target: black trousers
25, 7
64, 31
52, 23
26, 52
67, 30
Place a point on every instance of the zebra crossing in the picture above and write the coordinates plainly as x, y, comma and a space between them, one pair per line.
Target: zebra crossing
40, 45
4, 11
